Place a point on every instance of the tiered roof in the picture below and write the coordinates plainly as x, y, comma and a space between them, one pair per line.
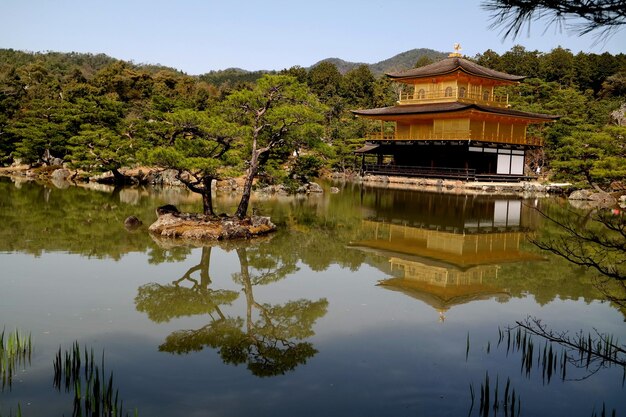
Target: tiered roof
451, 65
416, 109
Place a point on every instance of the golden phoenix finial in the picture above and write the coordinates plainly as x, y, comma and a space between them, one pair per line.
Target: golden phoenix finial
457, 50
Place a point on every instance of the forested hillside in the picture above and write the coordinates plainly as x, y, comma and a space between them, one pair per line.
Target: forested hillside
98, 113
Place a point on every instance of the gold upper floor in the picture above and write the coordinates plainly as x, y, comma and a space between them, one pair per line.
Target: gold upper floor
449, 90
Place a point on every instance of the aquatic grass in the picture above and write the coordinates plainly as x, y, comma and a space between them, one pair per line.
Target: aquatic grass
15, 353
555, 352
505, 404
603, 413
18, 413
95, 395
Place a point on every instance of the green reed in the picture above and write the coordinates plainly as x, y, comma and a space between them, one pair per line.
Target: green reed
603, 412
79, 372
15, 352
18, 413
551, 353
497, 403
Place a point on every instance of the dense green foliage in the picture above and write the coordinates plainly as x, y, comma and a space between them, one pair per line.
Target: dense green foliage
586, 145
97, 113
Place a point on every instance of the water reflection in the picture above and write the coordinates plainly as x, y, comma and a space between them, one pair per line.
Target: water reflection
447, 250
70, 271
268, 338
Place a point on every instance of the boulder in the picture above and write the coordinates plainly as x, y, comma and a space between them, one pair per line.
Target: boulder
593, 200
603, 199
311, 187
580, 195
132, 223
274, 189
60, 174
315, 188
165, 177
167, 209
104, 178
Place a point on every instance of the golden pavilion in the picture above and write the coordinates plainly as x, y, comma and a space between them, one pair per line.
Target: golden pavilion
451, 122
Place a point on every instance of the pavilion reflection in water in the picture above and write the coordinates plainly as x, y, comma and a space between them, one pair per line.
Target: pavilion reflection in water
446, 250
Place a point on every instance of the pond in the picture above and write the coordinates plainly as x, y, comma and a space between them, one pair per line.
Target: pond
366, 302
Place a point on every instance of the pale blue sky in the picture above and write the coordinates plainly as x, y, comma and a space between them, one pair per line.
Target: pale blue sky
197, 36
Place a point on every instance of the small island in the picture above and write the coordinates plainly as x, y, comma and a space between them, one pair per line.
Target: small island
172, 224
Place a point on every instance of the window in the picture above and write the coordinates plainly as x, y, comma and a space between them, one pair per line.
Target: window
448, 92
421, 93
486, 95
462, 92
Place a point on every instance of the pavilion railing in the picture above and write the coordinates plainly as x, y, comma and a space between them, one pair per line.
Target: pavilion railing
417, 171
466, 174
454, 135
454, 94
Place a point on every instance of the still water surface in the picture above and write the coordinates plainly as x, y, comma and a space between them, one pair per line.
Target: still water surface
366, 302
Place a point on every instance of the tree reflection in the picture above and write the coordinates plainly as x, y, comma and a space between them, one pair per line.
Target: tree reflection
268, 338
165, 302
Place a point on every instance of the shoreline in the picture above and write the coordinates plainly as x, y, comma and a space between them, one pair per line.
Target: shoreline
527, 188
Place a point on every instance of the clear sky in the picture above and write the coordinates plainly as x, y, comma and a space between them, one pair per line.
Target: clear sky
197, 36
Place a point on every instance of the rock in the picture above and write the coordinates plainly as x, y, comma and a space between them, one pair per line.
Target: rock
56, 162
310, 187
167, 209
165, 177
106, 177
603, 199
61, 184
274, 189
334, 190
132, 223
580, 195
60, 174
315, 188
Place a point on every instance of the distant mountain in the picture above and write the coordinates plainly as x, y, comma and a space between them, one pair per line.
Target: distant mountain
64, 62
342, 66
406, 60
402, 61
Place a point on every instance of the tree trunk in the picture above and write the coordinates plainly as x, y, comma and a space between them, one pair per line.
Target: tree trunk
205, 278
242, 209
207, 198
118, 177
247, 287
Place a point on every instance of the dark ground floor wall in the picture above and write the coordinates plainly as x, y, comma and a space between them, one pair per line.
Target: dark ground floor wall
476, 157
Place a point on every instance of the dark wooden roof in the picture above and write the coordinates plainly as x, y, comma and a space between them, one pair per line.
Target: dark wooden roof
448, 108
450, 65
